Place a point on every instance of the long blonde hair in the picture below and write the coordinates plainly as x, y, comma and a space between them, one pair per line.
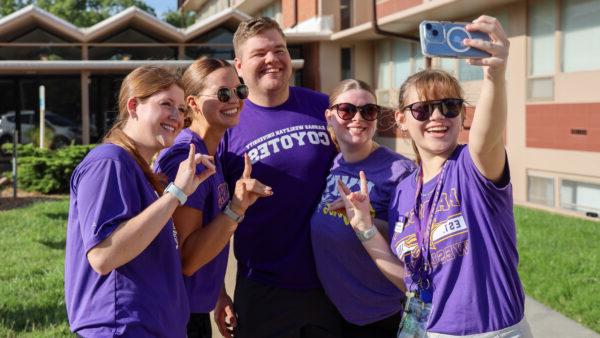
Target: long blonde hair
141, 83
429, 85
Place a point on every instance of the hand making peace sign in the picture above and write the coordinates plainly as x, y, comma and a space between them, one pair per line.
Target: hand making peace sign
247, 190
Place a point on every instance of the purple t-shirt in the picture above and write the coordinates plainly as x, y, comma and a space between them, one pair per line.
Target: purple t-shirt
291, 151
210, 197
351, 279
145, 297
476, 286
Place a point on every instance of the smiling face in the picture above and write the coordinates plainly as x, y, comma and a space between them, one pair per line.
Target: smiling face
265, 64
357, 132
155, 122
208, 110
436, 136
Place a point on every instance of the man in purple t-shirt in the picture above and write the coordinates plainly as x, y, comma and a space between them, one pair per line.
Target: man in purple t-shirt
283, 130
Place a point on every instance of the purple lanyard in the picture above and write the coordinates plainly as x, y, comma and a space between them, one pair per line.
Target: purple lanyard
422, 266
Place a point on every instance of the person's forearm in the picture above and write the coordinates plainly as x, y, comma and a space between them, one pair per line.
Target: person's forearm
388, 264
205, 243
489, 120
132, 237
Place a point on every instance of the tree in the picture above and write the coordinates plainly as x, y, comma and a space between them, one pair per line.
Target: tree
10, 6
82, 13
176, 19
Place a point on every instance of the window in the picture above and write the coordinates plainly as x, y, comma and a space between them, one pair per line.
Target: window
541, 29
396, 60
401, 57
383, 60
345, 14
580, 46
273, 11
346, 63
579, 196
540, 190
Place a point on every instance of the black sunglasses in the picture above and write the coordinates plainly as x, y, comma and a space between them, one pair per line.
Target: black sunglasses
346, 111
224, 94
422, 110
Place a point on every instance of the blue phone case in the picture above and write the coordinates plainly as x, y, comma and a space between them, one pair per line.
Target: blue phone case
444, 39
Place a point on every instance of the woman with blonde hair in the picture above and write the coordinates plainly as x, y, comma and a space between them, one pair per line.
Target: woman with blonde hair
122, 268
370, 305
209, 217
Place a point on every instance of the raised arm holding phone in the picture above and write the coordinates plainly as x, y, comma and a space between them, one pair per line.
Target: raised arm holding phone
451, 222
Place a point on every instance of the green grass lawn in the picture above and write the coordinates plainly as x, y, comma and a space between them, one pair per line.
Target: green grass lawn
560, 263
32, 250
560, 267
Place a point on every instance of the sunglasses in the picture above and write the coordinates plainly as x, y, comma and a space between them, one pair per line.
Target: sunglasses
346, 111
423, 110
224, 94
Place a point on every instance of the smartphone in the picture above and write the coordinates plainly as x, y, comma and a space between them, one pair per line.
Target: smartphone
445, 39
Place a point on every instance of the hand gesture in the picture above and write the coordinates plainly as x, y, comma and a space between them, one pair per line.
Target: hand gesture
497, 47
225, 316
186, 178
357, 204
247, 190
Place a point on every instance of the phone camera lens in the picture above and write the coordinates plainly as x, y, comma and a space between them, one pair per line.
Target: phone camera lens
435, 32
428, 26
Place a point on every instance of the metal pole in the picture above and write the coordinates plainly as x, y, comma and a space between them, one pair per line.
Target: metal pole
14, 162
42, 114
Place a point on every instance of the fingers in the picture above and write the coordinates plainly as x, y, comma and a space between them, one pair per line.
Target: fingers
191, 154
247, 166
363, 183
205, 174
231, 316
256, 187
337, 205
343, 188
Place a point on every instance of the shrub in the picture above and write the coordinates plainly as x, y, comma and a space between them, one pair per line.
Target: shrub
48, 171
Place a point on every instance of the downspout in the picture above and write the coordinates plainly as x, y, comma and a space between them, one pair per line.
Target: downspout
295, 14
380, 31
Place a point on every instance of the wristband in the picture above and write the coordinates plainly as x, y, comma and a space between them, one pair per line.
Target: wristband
177, 192
232, 214
365, 235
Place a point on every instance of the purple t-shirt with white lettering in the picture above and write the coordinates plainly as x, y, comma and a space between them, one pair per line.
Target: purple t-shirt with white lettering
146, 297
291, 151
351, 279
473, 246
210, 197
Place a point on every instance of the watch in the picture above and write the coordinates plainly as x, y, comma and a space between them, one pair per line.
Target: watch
365, 235
177, 192
232, 214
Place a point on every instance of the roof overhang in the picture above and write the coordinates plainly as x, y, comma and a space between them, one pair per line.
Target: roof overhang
231, 17
252, 6
7, 67
135, 17
407, 21
32, 15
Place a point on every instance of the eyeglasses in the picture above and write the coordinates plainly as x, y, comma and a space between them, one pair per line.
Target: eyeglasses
224, 94
423, 110
346, 111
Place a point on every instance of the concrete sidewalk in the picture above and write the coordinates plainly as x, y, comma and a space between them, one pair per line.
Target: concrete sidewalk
544, 322
547, 323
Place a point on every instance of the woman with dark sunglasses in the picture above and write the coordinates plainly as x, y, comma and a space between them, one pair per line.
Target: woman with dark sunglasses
453, 226
369, 304
209, 217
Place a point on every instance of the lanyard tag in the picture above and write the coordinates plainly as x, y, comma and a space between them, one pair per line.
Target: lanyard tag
415, 318
400, 224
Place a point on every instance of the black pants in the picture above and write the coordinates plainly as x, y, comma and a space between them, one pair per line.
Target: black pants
199, 326
269, 312
385, 328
